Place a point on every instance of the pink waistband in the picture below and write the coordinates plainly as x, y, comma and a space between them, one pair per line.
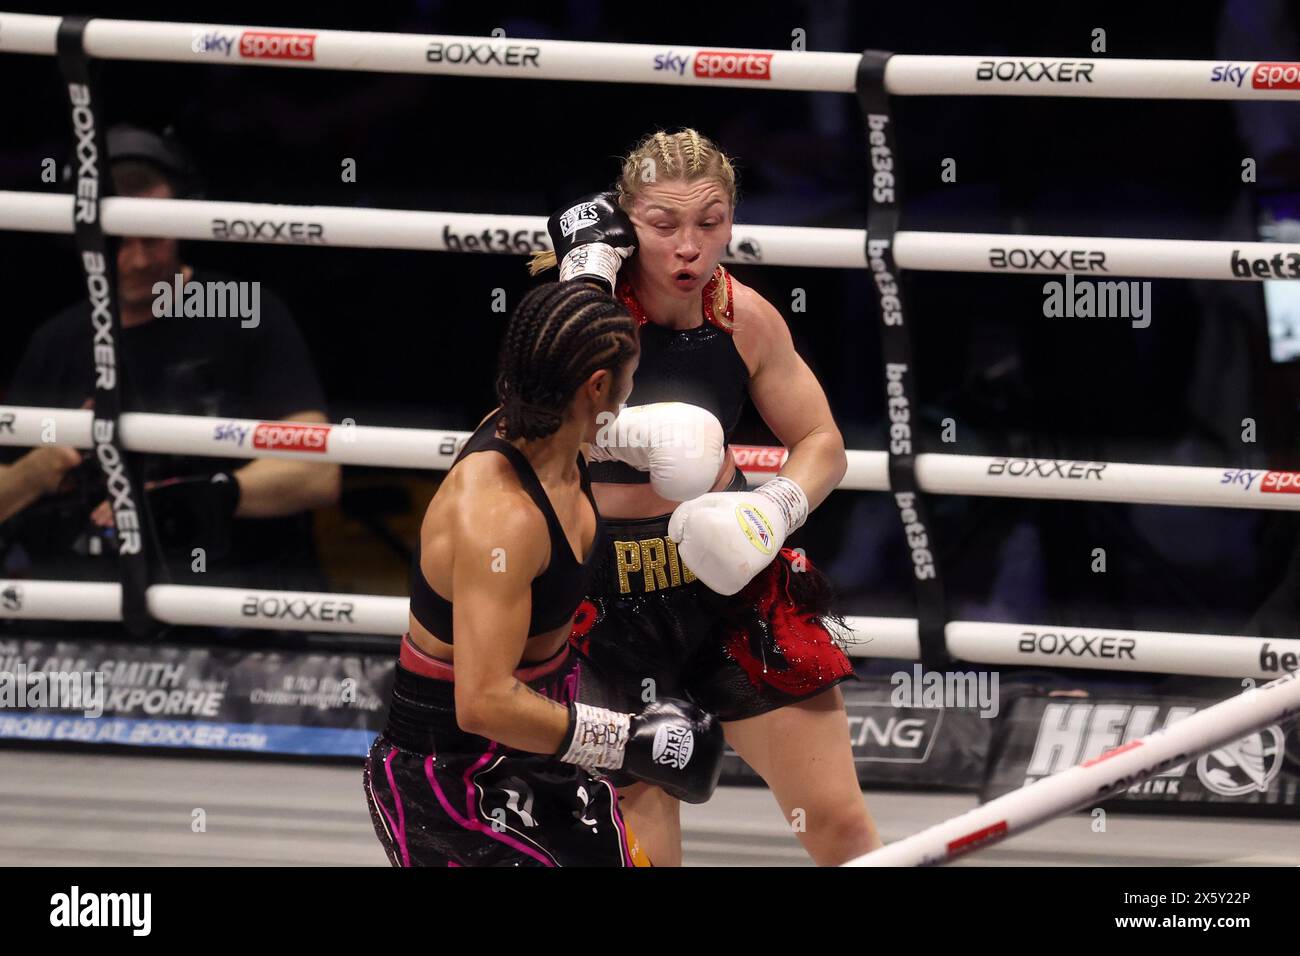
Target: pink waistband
418, 662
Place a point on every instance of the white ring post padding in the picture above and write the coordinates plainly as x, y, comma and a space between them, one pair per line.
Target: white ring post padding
905, 75
868, 470
1088, 257
1092, 781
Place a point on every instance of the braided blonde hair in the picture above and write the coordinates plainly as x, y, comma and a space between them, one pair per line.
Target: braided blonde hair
686, 155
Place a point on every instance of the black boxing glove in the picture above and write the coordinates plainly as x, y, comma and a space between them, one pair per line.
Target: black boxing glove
591, 239
671, 744
195, 511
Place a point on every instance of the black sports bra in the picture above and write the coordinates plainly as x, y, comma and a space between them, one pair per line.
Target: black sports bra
558, 590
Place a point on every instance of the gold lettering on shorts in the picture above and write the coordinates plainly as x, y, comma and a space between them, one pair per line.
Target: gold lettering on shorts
627, 555
654, 557
657, 560
674, 561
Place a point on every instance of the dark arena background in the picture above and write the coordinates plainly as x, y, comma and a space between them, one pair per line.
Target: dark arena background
1203, 376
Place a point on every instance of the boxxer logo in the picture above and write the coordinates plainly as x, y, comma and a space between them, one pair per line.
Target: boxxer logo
1076, 645
83, 121
496, 54
297, 609
1035, 71
1048, 260
101, 317
266, 230
119, 487
1046, 468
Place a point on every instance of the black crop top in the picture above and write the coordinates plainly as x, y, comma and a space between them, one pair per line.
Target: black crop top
699, 366
558, 590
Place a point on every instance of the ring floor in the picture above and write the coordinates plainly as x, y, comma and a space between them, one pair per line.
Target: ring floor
79, 809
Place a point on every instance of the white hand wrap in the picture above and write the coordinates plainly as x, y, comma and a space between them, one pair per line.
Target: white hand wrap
789, 498
599, 738
595, 260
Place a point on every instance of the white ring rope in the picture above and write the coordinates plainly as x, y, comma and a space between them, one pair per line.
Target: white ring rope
1088, 783
745, 69
976, 642
1095, 257
527, 59
989, 476
158, 434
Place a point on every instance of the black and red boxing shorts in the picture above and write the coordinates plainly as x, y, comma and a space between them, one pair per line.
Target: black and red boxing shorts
441, 797
650, 629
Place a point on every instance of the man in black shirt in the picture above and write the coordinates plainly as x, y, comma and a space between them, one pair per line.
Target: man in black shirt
251, 519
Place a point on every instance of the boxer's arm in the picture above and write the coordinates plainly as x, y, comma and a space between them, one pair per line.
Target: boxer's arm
502, 543
37, 473
274, 487
790, 399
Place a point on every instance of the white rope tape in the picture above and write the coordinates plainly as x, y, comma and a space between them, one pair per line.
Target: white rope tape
1091, 782
526, 59
1093, 257
384, 447
977, 642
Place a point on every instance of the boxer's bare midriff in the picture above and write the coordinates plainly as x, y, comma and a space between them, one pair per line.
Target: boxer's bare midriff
617, 501
539, 648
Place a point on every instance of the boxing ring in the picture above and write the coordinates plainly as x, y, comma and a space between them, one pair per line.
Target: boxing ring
869, 471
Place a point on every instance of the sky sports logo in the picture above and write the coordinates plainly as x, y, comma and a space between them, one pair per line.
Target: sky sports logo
1264, 76
256, 44
1281, 483
285, 436
759, 457
262, 45
1273, 482
717, 64
733, 65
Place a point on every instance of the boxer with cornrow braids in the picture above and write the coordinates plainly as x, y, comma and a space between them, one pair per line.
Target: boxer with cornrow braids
487, 757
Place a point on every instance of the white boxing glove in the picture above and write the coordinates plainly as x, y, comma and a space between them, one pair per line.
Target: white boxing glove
728, 537
680, 445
